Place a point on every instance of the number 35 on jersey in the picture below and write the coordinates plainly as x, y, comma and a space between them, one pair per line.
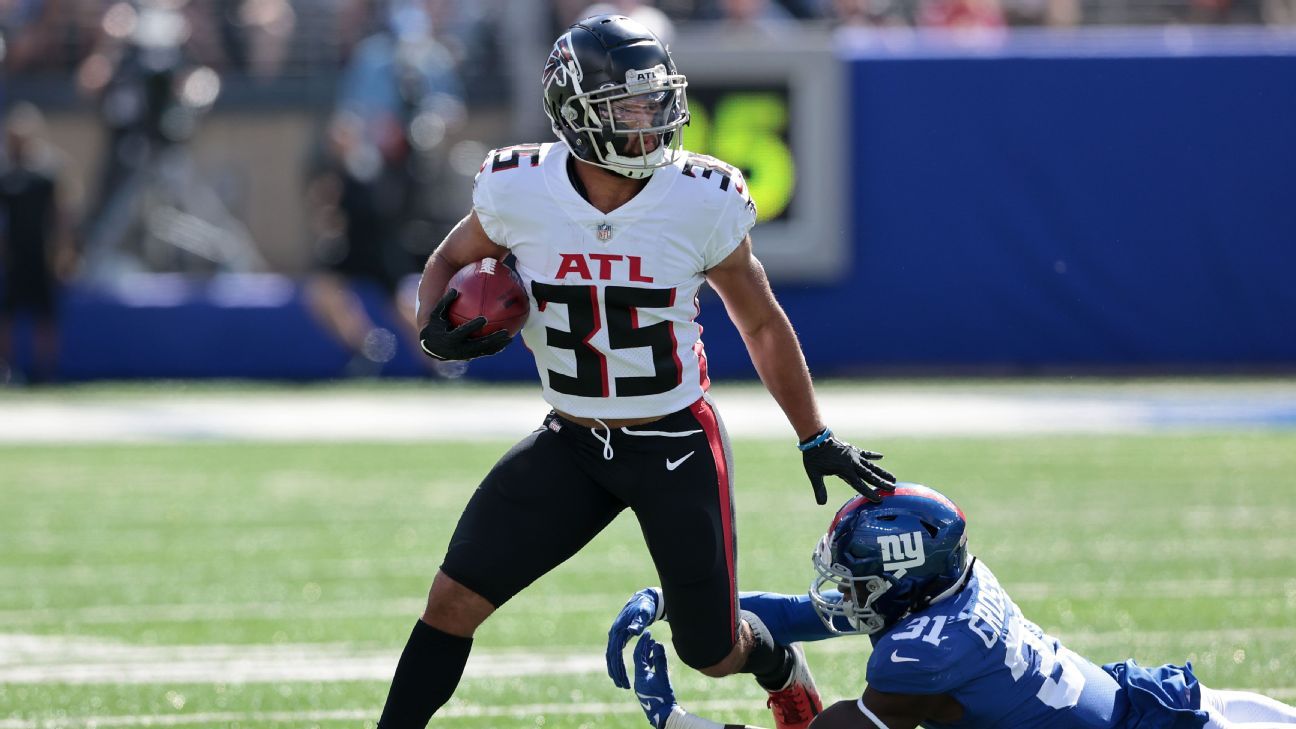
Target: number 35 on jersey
613, 328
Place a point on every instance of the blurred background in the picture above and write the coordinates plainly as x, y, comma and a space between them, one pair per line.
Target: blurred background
248, 188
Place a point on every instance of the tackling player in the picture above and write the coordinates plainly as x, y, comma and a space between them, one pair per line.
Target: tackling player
613, 231
950, 648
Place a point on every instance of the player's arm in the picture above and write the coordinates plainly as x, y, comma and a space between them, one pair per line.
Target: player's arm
656, 697
880, 710
741, 282
790, 619
466, 243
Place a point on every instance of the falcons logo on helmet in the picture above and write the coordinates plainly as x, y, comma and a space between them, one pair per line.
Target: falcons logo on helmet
562, 64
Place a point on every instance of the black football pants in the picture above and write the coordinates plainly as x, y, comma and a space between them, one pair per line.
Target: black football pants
554, 491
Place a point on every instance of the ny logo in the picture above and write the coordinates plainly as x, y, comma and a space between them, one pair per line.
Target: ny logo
901, 551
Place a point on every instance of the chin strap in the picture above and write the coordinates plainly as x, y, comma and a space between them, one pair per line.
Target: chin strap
637, 168
633, 174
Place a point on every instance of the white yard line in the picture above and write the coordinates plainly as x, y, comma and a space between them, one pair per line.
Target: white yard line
227, 717
508, 412
32, 659
29, 659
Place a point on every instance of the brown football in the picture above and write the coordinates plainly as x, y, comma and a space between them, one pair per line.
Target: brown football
489, 289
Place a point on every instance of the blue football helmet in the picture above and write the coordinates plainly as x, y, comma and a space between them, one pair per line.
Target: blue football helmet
888, 558
614, 96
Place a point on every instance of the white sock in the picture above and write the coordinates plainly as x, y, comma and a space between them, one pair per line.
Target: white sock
1245, 710
681, 719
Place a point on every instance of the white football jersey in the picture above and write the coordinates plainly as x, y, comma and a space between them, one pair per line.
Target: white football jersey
613, 296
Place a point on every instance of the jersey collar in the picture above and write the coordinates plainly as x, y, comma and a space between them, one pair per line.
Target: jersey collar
579, 209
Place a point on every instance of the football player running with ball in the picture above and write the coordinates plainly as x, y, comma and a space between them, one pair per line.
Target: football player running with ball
612, 231
950, 647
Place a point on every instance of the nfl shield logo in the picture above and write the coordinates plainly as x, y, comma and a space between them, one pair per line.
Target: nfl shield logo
604, 232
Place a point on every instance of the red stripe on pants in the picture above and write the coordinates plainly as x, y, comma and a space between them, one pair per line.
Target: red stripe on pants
706, 417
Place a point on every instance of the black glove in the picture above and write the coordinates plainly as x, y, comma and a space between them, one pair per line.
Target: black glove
824, 455
442, 341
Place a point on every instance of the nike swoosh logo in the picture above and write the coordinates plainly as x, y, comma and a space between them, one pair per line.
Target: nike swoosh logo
897, 658
672, 465
646, 701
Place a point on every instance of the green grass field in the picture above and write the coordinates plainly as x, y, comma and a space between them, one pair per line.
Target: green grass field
162, 561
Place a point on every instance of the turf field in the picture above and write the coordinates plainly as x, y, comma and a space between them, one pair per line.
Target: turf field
273, 584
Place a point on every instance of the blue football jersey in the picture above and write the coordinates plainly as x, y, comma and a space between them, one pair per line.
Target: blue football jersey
977, 647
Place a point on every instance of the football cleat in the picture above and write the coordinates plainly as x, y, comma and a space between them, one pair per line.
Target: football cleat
798, 703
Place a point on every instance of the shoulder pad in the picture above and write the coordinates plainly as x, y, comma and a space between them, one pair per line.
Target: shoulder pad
510, 158
723, 175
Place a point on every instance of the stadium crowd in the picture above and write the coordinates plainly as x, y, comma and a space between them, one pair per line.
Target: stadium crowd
263, 38
394, 83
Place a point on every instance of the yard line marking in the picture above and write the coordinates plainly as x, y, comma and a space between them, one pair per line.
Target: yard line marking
225, 717
411, 415
33, 659
29, 659
519, 711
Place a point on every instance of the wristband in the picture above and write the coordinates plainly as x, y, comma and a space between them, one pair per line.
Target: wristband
661, 604
815, 441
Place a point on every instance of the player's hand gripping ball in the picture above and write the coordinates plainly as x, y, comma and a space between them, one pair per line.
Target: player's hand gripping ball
484, 305
490, 290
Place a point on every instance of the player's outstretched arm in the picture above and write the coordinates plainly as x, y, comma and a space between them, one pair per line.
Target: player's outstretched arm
656, 697
772, 343
466, 243
875, 710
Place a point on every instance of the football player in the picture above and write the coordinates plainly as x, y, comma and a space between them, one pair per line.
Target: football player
612, 230
950, 648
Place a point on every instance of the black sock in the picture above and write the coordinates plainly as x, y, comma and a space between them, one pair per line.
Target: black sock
772, 664
426, 677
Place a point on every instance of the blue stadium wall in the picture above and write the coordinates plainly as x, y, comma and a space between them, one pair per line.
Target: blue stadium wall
1122, 200
1119, 201
1114, 202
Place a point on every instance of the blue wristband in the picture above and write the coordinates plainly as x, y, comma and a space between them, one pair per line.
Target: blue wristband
816, 441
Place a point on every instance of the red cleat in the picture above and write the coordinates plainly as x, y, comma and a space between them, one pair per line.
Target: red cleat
795, 705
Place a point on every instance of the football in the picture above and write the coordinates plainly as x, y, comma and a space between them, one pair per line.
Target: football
489, 289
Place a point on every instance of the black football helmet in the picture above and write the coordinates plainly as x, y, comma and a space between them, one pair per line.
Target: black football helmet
889, 558
614, 97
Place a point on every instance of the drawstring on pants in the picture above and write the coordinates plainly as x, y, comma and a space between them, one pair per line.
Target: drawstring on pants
606, 436
605, 439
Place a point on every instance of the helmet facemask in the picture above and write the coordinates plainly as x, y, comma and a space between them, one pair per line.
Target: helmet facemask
889, 559
855, 603
632, 128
